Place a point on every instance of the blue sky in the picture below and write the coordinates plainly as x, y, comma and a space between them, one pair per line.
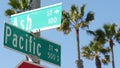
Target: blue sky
106, 11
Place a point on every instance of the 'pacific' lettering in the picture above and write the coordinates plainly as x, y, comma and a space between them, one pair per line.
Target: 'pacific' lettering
14, 41
38, 47
20, 41
8, 33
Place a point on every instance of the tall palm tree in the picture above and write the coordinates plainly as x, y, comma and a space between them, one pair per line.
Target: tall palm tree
95, 50
75, 19
111, 35
18, 6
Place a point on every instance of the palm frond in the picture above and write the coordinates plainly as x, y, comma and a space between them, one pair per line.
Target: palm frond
113, 28
18, 6
83, 24
96, 46
110, 30
67, 30
105, 50
24, 4
74, 13
65, 14
65, 23
14, 4
100, 33
90, 16
106, 59
117, 36
81, 12
91, 32
100, 36
87, 53
9, 12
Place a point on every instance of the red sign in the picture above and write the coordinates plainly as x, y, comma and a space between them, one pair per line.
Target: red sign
26, 64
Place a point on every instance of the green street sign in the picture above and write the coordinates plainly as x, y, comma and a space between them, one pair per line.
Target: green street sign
24, 42
43, 18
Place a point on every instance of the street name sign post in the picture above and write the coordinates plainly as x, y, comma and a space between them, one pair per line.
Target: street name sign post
42, 18
24, 42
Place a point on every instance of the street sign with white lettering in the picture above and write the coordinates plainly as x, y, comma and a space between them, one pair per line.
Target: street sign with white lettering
24, 42
42, 18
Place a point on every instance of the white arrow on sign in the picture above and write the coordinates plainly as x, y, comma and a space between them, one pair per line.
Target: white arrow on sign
56, 50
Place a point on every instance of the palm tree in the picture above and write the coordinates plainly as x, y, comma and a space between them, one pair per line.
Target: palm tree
94, 50
75, 19
18, 6
111, 35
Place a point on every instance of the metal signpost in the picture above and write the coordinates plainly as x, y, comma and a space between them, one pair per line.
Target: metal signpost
42, 18
24, 42
32, 58
34, 5
25, 64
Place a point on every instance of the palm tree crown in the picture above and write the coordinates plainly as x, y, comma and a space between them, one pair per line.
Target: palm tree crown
96, 49
18, 6
75, 19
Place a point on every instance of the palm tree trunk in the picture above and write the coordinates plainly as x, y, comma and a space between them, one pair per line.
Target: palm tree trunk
112, 51
97, 62
78, 45
79, 61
